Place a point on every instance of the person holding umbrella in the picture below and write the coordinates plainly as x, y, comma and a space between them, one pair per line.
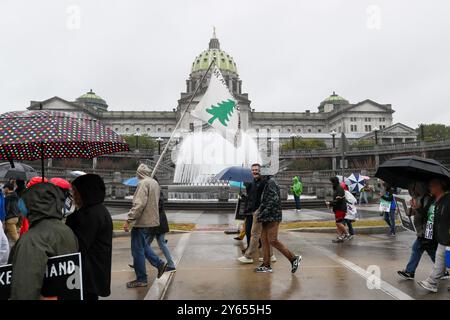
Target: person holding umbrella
92, 225
438, 225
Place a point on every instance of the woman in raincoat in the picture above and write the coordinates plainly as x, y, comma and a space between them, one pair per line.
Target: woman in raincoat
297, 189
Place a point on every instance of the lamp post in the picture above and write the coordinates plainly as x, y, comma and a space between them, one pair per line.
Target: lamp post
159, 140
375, 130
137, 134
422, 132
333, 134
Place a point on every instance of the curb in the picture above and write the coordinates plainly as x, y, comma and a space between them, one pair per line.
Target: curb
358, 230
120, 233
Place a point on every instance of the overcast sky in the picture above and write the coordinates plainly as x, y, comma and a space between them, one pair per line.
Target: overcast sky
290, 55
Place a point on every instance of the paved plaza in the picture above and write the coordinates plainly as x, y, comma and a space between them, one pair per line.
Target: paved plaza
207, 269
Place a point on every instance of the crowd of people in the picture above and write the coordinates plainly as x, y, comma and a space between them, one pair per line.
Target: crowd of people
49, 218
263, 215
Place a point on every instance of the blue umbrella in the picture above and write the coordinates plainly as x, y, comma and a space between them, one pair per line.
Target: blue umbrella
132, 182
239, 174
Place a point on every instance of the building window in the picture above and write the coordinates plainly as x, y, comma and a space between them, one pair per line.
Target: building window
148, 129
191, 126
117, 130
159, 129
320, 130
126, 130
309, 130
268, 130
299, 130
382, 119
138, 129
382, 127
353, 128
288, 130
170, 129
353, 119
367, 119
368, 127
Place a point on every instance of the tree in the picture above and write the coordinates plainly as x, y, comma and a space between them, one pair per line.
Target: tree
303, 144
433, 131
364, 143
145, 142
221, 112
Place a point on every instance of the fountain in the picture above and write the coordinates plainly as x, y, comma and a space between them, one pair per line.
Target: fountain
202, 155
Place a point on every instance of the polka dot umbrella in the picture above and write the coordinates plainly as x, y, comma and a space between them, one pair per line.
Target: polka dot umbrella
44, 134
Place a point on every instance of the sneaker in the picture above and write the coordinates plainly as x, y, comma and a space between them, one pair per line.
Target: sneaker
272, 259
406, 275
392, 235
161, 269
171, 269
428, 286
131, 266
350, 237
295, 263
446, 276
338, 240
264, 269
136, 284
237, 238
244, 259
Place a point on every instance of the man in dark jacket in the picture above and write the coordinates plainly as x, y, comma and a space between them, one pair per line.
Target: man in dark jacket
253, 227
269, 215
339, 206
12, 212
47, 237
160, 231
92, 224
439, 225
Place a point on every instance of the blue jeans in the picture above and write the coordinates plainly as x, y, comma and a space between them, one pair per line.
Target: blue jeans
297, 202
416, 253
389, 217
350, 227
164, 248
141, 250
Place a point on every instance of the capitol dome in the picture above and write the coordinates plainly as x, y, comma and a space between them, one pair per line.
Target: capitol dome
334, 99
92, 100
224, 61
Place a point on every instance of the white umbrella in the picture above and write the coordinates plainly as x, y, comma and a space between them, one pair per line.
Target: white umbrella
357, 182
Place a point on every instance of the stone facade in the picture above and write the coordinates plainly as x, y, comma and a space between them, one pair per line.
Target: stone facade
334, 113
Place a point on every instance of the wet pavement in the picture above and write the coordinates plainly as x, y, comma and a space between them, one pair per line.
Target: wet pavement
208, 269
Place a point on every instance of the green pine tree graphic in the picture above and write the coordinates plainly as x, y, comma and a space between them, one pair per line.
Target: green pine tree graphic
221, 111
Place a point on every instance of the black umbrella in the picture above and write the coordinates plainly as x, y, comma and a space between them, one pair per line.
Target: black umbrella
403, 171
17, 171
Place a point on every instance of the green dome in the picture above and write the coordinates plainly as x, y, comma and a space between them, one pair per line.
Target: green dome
93, 100
334, 99
224, 61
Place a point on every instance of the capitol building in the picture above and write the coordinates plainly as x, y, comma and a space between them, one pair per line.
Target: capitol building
333, 114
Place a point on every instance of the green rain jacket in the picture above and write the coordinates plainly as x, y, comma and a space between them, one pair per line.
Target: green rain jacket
47, 237
297, 187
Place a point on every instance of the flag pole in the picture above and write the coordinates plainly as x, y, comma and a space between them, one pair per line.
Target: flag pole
161, 156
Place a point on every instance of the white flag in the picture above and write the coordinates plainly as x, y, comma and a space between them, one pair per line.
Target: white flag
218, 107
